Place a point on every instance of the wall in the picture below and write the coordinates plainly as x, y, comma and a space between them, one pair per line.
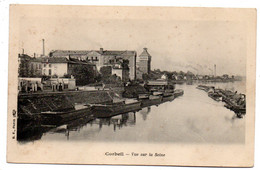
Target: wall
70, 82
118, 72
132, 65
58, 69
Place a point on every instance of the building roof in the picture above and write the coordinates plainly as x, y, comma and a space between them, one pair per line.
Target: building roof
85, 52
59, 60
24, 56
145, 53
69, 52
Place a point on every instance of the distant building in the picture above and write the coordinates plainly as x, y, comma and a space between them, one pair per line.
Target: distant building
24, 65
225, 76
62, 66
101, 57
49, 66
29, 66
164, 77
143, 64
36, 67
121, 70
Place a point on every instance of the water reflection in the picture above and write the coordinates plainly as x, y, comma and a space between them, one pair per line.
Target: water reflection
119, 121
191, 118
144, 112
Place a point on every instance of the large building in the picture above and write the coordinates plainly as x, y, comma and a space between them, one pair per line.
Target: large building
101, 58
29, 66
62, 66
143, 64
49, 66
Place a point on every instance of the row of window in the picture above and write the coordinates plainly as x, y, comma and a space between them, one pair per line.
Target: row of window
36, 66
92, 59
44, 65
47, 72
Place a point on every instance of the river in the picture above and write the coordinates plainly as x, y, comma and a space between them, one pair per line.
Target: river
191, 118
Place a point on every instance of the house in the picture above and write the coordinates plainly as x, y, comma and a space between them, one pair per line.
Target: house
121, 70
100, 57
62, 66
24, 65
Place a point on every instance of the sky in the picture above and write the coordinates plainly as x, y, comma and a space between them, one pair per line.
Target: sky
175, 45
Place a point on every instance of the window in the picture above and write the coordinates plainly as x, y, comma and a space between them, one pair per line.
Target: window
49, 65
49, 71
44, 65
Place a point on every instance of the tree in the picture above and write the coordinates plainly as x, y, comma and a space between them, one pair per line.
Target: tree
146, 77
84, 74
106, 71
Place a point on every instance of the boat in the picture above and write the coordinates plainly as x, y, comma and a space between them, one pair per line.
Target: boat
55, 118
215, 96
178, 92
168, 97
236, 108
143, 96
166, 94
115, 108
201, 87
152, 100
157, 93
205, 88
237, 104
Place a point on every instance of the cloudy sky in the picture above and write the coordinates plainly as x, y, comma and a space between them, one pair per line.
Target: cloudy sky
175, 44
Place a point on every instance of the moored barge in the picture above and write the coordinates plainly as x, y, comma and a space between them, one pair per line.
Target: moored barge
55, 118
178, 92
109, 110
152, 100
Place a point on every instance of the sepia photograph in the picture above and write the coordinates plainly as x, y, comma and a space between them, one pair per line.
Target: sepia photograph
131, 85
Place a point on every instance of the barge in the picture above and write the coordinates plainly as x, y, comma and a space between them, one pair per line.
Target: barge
55, 118
178, 92
109, 110
168, 97
233, 101
151, 100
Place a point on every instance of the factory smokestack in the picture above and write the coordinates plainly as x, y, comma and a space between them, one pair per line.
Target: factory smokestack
43, 48
215, 70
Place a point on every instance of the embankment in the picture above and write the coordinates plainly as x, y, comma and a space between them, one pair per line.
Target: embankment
59, 101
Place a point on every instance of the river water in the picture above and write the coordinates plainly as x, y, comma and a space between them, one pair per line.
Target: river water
191, 118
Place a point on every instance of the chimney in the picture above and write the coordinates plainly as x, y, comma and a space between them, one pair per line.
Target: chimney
101, 50
34, 55
23, 51
215, 70
43, 48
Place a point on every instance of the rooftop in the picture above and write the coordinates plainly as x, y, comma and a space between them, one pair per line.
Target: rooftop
145, 53
85, 52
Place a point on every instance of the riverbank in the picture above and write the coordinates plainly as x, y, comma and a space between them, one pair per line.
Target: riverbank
191, 118
52, 110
